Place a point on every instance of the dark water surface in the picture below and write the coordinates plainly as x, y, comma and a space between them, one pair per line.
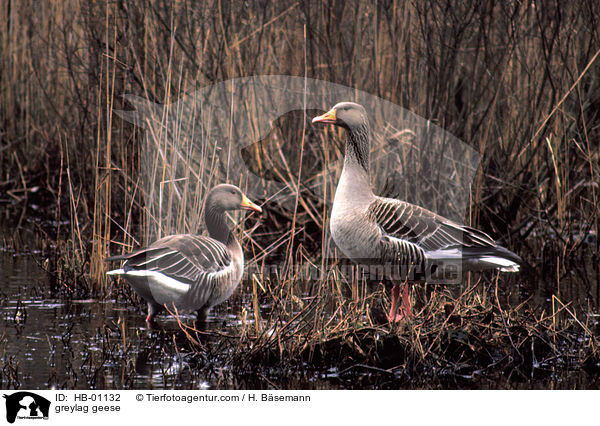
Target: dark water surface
52, 342
47, 342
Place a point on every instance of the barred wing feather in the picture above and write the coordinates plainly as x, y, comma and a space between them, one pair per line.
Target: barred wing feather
416, 225
180, 265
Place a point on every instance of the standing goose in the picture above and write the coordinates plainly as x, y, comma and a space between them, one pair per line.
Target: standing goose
191, 272
386, 231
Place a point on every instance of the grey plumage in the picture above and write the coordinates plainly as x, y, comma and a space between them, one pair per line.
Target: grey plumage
381, 230
190, 272
422, 236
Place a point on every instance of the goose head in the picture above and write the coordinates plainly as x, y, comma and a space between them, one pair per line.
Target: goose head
229, 197
345, 114
354, 119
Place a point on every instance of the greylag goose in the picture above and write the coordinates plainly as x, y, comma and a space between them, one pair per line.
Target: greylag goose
190, 272
386, 231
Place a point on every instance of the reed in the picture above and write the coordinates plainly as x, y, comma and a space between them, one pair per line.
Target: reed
514, 81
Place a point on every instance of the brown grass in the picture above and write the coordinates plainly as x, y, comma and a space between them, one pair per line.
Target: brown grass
518, 82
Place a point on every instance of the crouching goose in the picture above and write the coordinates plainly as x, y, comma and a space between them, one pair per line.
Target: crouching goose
385, 231
190, 272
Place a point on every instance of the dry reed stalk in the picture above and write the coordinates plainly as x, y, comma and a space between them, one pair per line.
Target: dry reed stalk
524, 97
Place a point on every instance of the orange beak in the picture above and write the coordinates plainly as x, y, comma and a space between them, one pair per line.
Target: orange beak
249, 205
328, 117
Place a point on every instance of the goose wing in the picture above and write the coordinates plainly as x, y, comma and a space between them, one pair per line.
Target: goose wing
399, 220
179, 265
185, 258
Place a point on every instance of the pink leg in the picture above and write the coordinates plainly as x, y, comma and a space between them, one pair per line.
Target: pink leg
405, 310
153, 309
395, 294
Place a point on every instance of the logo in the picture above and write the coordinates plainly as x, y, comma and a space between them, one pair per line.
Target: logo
26, 405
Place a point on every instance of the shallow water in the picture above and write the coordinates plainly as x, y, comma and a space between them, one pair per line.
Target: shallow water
47, 341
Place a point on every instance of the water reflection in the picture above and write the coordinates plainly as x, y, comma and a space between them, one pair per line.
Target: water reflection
50, 342
82, 344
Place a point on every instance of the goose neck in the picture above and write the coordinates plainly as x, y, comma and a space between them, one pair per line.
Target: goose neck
216, 224
358, 147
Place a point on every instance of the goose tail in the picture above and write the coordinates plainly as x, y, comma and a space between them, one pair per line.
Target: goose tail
479, 258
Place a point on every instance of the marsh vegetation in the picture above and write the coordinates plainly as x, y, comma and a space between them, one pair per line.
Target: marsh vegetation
519, 83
